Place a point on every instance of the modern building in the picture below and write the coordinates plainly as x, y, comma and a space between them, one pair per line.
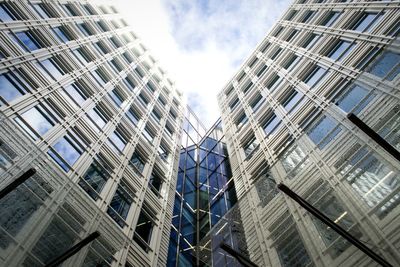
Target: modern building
284, 117
116, 151
83, 103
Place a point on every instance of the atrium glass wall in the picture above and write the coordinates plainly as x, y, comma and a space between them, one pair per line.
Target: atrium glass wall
204, 192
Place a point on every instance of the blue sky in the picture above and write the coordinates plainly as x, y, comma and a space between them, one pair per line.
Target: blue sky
201, 44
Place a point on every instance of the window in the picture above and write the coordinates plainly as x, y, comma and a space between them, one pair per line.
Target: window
156, 115
84, 28
150, 87
117, 141
89, 9
250, 146
137, 161
163, 152
120, 204
330, 19
70, 10
355, 99
271, 124
325, 200
133, 116
386, 66
116, 65
148, 134
291, 35
273, 82
75, 94
100, 77
375, 181
307, 17
95, 178
288, 243
139, 73
247, 87
257, 102
341, 50
294, 160
50, 69
144, 229
66, 151
291, 14
366, 22
26, 40
323, 131
143, 99
116, 97
315, 76
127, 57
261, 70
276, 53
155, 183
290, 62
62, 34
115, 42
291, 101
42, 10
97, 119
128, 81
101, 48
103, 26
82, 56
241, 120
6, 14
12, 86
310, 41
234, 103
39, 121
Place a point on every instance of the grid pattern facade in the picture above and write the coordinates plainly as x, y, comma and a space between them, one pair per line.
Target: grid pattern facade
204, 192
84, 103
284, 116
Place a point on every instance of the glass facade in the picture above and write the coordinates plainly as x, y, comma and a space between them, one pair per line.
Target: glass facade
204, 191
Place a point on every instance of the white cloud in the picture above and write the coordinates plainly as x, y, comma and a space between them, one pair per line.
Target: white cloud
201, 43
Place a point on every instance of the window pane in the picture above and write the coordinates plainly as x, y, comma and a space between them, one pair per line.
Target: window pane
40, 122
26, 41
291, 101
118, 141
69, 153
137, 161
48, 67
323, 132
120, 204
5, 14
9, 90
352, 98
315, 76
386, 63
366, 22
96, 118
341, 50
144, 229
60, 33
40, 9
271, 124
96, 176
75, 94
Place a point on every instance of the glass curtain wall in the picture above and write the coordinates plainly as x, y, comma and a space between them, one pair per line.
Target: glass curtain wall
204, 191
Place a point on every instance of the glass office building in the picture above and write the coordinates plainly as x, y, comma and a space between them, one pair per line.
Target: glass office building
116, 151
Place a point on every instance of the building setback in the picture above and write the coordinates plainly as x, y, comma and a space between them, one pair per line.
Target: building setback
285, 121
83, 102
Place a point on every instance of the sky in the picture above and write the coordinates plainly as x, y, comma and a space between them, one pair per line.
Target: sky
201, 43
